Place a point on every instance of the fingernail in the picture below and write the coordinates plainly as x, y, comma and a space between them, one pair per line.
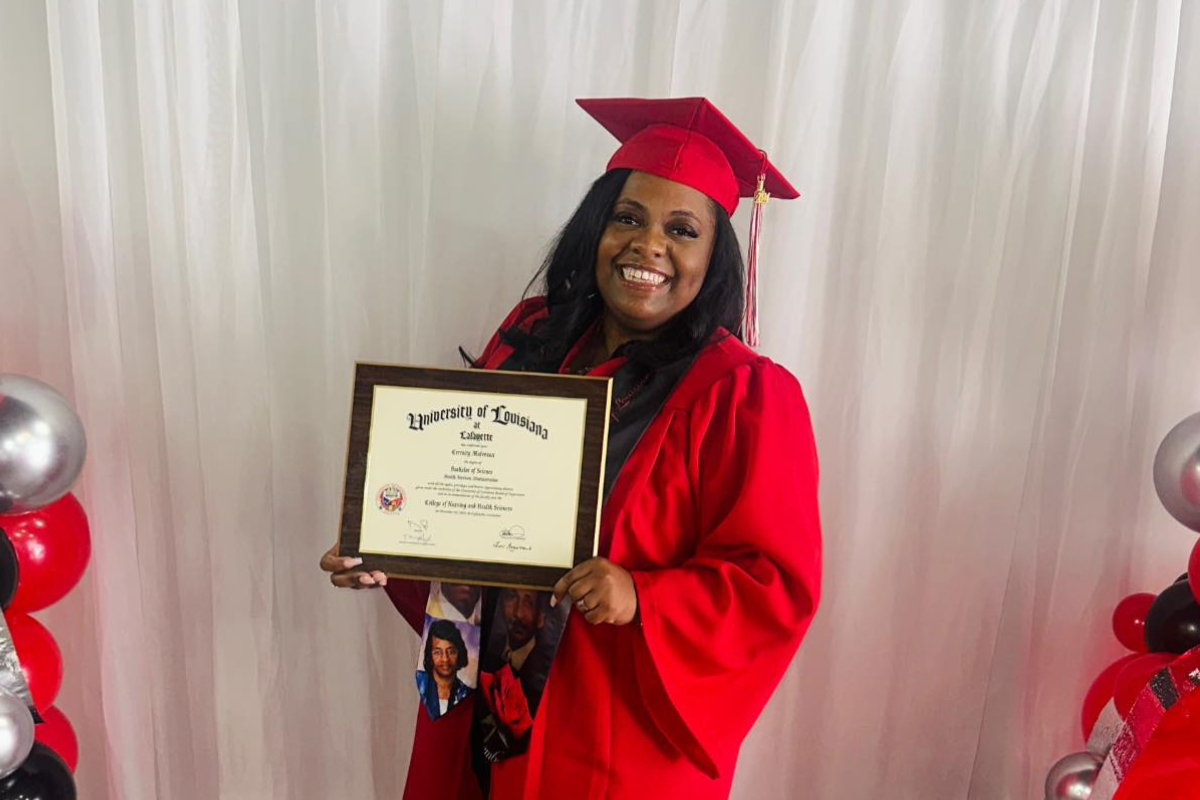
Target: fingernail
354, 562
553, 601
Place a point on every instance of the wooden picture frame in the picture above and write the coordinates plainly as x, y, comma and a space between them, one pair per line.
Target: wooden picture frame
515, 450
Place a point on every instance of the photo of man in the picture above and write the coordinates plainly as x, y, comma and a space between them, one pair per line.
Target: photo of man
457, 602
524, 614
524, 636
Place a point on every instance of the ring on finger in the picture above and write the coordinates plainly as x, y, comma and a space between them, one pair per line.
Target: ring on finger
582, 606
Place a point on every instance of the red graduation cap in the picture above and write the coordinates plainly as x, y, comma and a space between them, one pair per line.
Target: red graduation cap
687, 140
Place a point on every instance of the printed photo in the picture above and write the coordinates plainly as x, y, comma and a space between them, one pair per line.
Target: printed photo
523, 638
457, 602
448, 664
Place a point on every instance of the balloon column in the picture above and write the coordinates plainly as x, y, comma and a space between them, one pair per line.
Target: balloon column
44, 548
1160, 629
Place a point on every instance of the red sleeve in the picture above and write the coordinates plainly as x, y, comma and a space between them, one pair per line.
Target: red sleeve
720, 630
410, 597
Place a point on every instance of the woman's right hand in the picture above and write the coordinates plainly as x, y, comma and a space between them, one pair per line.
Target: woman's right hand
344, 576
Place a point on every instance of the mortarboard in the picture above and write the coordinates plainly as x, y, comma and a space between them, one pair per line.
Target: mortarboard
687, 140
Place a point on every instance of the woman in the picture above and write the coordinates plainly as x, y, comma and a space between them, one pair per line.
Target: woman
710, 546
445, 654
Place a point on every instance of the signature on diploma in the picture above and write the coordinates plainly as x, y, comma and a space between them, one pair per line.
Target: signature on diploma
514, 532
418, 533
511, 538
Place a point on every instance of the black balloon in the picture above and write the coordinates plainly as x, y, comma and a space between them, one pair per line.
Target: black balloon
9, 570
1173, 622
43, 776
1182, 577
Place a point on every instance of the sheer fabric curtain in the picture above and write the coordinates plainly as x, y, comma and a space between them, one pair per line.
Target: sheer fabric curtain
209, 210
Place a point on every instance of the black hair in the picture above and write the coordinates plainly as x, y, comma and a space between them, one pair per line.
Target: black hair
567, 278
447, 631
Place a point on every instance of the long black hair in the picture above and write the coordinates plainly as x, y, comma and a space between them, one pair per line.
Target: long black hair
567, 278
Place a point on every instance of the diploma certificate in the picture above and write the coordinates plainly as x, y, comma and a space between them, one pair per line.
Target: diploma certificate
474, 476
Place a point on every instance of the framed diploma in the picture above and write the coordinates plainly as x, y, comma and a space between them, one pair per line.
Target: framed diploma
474, 476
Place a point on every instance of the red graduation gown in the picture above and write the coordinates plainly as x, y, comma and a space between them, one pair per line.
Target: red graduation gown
715, 516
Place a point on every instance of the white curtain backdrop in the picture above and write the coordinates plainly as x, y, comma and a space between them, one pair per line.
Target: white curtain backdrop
210, 210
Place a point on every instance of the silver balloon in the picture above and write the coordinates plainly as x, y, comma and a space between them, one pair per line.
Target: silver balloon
42, 445
1072, 777
16, 732
1177, 472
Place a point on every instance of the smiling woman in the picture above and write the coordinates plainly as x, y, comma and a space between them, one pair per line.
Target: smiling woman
710, 533
445, 653
653, 256
612, 229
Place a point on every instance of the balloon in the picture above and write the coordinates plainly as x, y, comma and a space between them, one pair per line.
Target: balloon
1100, 693
52, 546
1070, 779
43, 776
40, 658
1173, 623
56, 733
1194, 571
1134, 676
42, 445
16, 732
1177, 472
1129, 621
8, 569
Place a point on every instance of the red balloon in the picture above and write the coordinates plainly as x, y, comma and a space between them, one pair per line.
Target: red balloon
40, 658
1134, 676
52, 546
1194, 571
1100, 693
1129, 621
57, 734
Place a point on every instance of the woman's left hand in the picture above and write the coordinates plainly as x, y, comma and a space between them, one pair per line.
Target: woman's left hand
601, 591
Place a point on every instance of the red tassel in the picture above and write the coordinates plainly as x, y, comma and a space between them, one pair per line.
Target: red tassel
750, 318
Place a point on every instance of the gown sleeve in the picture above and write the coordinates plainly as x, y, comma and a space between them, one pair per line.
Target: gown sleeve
410, 597
719, 631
